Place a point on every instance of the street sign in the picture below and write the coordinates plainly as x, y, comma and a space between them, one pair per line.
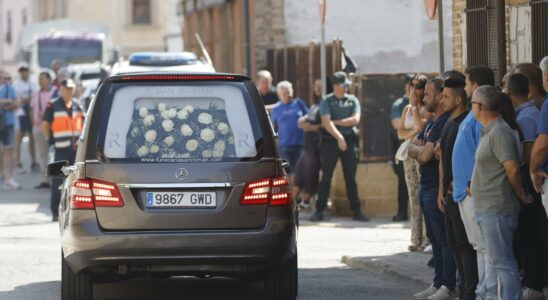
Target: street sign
430, 6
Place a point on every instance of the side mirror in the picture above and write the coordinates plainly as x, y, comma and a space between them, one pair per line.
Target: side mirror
55, 169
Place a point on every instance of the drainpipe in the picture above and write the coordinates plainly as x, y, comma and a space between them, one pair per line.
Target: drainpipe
247, 57
440, 36
501, 38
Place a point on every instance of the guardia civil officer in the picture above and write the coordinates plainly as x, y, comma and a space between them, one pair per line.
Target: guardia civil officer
340, 115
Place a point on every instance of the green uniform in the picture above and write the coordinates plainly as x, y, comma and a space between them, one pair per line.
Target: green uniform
339, 109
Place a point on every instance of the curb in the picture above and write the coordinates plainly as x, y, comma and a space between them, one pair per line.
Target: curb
377, 267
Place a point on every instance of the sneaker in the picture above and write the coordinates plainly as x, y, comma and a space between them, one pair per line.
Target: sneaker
413, 248
34, 167
304, 205
442, 294
42, 185
530, 294
428, 249
426, 293
317, 216
360, 217
11, 185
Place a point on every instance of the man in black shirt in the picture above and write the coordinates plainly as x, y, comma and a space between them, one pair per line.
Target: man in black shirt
454, 99
263, 81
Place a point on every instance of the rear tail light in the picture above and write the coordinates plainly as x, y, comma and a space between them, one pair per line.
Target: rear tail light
89, 193
274, 191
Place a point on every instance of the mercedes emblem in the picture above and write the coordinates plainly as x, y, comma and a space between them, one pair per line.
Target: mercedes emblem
181, 173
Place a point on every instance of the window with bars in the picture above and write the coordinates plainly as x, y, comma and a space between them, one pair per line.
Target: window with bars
477, 33
539, 23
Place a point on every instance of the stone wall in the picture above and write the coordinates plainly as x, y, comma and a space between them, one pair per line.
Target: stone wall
268, 28
377, 188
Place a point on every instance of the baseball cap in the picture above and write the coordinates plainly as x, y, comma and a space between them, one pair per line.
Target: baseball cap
22, 66
69, 83
341, 79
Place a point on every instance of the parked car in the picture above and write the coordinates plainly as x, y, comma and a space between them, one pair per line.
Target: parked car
177, 174
163, 62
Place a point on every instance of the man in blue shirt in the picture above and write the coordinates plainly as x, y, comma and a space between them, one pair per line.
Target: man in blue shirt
8, 105
423, 150
464, 154
539, 163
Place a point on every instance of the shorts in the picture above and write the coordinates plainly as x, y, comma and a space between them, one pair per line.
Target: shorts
291, 154
307, 172
25, 124
7, 137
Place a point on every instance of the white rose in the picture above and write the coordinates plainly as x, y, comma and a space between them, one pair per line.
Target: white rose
220, 146
150, 136
223, 128
143, 151
165, 114
143, 112
207, 135
206, 154
154, 149
149, 120
161, 107
168, 125
189, 109
191, 145
182, 114
218, 153
172, 113
169, 140
205, 118
231, 140
186, 130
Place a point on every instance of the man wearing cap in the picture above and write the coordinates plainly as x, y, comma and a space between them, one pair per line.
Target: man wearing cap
62, 125
24, 87
340, 115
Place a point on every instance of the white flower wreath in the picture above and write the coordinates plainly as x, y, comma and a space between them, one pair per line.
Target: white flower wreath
150, 136
205, 118
154, 149
161, 107
219, 146
182, 114
189, 109
172, 113
191, 145
207, 135
186, 130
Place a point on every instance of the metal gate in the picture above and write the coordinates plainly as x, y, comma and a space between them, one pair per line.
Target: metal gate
539, 26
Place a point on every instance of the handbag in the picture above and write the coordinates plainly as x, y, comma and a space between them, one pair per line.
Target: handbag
401, 154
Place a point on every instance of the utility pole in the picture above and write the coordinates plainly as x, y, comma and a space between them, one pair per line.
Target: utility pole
323, 66
440, 36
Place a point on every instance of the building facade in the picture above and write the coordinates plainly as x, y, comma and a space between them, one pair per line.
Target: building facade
14, 15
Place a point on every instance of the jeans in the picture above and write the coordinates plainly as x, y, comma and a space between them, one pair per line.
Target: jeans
545, 196
444, 263
497, 231
65, 154
465, 255
532, 220
329, 155
291, 154
487, 280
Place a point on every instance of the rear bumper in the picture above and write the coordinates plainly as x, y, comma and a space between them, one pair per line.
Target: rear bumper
87, 247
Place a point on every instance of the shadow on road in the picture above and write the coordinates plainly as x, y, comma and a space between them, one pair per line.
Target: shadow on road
318, 284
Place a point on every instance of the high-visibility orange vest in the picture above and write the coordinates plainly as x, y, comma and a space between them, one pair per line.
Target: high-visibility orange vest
66, 128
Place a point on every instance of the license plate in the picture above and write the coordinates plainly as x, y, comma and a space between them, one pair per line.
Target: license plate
181, 200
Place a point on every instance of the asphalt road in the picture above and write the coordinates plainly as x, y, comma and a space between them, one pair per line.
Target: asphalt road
30, 261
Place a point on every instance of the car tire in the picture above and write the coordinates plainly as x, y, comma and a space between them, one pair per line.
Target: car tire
75, 286
281, 283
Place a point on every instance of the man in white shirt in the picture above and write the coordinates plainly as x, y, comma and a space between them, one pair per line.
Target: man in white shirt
25, 88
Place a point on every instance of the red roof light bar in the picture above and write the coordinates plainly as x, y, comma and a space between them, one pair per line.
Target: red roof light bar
179, 77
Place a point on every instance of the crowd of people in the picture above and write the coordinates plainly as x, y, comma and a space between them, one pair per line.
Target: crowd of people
475, 163
28, 109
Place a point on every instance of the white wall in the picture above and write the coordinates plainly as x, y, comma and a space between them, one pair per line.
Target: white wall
382, 36
8, 60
